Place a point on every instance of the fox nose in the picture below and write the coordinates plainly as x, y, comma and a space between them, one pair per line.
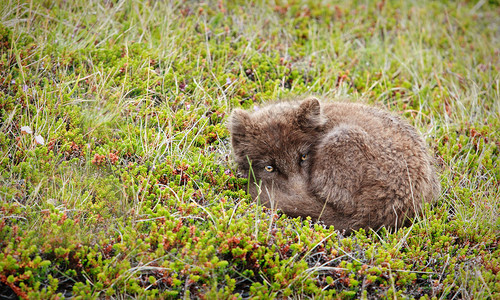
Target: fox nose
298, 186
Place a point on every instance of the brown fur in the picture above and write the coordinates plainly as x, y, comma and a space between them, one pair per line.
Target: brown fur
348, 165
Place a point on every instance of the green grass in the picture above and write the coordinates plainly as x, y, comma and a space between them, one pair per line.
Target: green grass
133, 192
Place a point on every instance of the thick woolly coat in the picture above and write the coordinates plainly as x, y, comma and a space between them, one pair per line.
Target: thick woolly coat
345, 164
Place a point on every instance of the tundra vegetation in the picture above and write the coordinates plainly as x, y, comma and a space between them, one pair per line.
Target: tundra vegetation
116, 176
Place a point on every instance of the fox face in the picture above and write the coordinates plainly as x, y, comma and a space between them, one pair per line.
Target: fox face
273, 146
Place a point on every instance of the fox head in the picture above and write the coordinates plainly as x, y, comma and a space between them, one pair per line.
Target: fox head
273, 146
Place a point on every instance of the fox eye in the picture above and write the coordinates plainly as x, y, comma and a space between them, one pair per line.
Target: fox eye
303, 157
269, 168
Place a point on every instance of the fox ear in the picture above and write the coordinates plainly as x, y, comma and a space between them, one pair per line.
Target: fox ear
309, 114
238, 123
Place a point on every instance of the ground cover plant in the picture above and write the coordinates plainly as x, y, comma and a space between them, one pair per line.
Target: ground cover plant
116, 176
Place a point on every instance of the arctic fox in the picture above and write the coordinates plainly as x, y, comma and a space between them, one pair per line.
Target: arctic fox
345, 164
